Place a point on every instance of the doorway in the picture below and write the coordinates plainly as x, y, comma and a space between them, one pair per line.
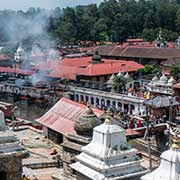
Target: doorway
3, 175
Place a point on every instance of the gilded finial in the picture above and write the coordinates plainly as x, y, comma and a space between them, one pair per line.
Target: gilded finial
175, 142
108, 118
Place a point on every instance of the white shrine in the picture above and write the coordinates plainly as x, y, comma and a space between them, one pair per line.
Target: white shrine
161, 85
19, 55
11, 153
108, 156
169, 168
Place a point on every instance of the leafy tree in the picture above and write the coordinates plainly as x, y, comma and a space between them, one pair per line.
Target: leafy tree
119, 84
67, 33
150, 69
175, 71
149, 34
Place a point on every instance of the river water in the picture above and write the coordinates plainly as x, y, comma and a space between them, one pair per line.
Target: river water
26, 111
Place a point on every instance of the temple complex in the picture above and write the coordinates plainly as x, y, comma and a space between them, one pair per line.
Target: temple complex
161, 86
108, 156
163, 101
11, 153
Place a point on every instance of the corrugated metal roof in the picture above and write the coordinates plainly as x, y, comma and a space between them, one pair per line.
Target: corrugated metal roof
63, 114
162, 101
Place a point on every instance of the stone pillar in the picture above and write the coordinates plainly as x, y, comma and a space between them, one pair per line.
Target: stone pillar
105, 102
129, 108
136, 109
110, 103
117, 105
122, 106
84, 97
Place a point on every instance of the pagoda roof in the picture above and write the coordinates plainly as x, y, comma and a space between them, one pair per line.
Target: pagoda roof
70, 68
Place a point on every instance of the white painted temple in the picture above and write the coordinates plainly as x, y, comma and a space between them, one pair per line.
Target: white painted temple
19, 55
108, 156
11, 153
169, 168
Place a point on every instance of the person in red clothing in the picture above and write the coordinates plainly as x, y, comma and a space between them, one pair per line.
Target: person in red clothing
131, 125
139, 123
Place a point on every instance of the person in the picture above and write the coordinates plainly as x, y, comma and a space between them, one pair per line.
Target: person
139, 123
131, 125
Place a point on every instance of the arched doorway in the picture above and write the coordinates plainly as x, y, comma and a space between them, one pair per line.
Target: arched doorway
3, 175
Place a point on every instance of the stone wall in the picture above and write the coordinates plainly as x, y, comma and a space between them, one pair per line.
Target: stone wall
12, 167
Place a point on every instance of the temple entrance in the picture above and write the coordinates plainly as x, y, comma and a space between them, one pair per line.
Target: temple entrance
3, 175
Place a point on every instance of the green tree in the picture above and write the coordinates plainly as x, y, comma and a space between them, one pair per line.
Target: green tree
67, 33
149, 34
119, 84
175, 71
150, 69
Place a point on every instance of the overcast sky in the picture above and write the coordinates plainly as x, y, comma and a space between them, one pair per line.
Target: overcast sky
48, 4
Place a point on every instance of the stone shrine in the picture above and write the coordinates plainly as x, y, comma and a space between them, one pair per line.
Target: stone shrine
169, 168
108, 156
11, 153
74, 142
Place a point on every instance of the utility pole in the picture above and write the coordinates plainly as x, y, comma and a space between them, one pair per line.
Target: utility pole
147, 136
13, 117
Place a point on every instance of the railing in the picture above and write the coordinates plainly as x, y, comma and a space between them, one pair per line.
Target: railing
162, 90
107, 94
24, 91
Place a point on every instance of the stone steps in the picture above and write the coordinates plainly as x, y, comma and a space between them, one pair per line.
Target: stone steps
42, 165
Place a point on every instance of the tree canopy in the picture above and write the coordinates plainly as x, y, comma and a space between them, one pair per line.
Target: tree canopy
117, 20
175, 71
111, 20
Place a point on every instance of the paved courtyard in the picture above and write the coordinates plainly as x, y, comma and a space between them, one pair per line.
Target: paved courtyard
39, 150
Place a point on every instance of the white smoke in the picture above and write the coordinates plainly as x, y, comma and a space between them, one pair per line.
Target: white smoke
20, 26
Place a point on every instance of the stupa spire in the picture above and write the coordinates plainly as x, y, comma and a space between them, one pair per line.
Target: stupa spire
175, 142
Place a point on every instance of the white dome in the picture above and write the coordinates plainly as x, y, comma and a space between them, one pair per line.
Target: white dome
112, 77
126, 75
110, 81
155, 79
20, 49
120, 74
171, 81
168, 169
163, 79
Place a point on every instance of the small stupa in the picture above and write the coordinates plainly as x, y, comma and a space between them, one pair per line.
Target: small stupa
169, 168
11, 153
110, 82
75, 141
108, 156
19, 55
